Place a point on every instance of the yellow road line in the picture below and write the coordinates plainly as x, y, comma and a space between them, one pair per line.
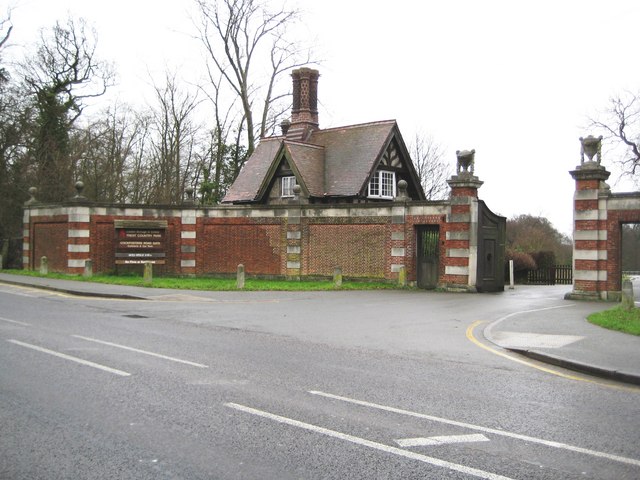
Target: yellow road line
474, 340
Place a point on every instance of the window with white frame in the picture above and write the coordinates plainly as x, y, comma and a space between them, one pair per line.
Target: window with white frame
382, 185
287, 186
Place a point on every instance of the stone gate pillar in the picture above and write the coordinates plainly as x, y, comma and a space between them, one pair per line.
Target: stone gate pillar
79, 232
461, 237
590, 223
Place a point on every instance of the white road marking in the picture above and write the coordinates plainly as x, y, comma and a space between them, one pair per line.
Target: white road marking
489, 330
368, 443
533, 340
442, 440
69, 357
15, 321
145, 352
517, 436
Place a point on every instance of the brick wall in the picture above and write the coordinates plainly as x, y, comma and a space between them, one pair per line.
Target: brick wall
49, 239
372, 241
358, 249
224, 245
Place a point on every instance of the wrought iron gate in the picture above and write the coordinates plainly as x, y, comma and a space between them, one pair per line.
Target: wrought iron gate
428, 255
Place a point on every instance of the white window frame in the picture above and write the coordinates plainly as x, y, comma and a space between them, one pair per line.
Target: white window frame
382, 185
286, 186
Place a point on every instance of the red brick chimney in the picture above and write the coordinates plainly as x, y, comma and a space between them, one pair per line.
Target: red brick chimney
304, 114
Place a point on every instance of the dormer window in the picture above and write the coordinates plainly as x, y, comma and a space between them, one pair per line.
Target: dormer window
382, 185
287, 184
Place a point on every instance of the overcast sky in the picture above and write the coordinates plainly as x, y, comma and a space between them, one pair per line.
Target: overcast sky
515, 80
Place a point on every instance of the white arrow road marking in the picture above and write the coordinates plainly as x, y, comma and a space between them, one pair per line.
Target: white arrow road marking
144, 352
443, 440
517, 436
69, 357
368, 443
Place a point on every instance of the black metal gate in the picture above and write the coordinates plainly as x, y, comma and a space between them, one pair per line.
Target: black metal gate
491, 247
428, 255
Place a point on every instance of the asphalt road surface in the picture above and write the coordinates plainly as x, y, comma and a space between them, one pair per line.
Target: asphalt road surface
331, 385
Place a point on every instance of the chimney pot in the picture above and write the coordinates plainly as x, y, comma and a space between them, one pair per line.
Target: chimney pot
304, 114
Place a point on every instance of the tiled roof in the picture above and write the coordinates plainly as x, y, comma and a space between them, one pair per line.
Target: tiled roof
309, 161
350, 154
334, 162
247, 184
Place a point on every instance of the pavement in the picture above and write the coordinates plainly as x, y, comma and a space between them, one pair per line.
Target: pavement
559, 336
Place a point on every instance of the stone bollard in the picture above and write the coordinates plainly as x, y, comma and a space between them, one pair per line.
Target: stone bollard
240, 277
337, 277
628, 301
402, 276
44, 266
88, 269
1, 262
147, 278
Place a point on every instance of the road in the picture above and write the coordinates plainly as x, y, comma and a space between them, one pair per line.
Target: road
290, 385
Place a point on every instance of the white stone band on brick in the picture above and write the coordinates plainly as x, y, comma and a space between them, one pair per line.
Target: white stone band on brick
294, 235
395, 267
190, 220
79, 233
73, 263
293, 249
458, 252
590, 235
397, 235
25, 246
78, 248
293, 264
457, 235
586, 194
187, 263
591, 275
187, 234
79, 218
398, 252
622, 204
590, 255
590, 215
454, 270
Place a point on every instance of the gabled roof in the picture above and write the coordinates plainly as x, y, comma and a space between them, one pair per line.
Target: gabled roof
248, 182
351, 153
333, 162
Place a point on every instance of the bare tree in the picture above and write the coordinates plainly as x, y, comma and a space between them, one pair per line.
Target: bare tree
5, 33
214, 173
62, 74
238, 35
174, 142
432, 169
13, 115
106, 151
621, 122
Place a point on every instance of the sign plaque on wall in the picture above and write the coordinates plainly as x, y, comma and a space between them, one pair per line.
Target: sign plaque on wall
140, 241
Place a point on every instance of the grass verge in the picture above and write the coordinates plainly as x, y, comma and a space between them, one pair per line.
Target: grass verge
214, 284
618, 318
